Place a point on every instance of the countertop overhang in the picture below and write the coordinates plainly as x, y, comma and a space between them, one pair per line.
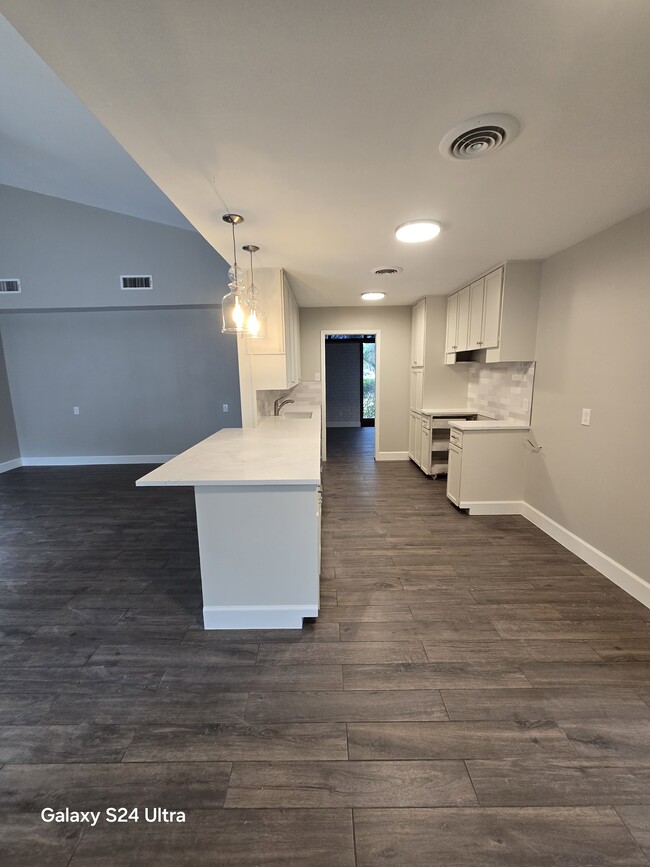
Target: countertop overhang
281, 450
489, 425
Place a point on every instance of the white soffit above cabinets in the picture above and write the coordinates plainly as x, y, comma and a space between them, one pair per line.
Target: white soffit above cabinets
50, 143
321, 122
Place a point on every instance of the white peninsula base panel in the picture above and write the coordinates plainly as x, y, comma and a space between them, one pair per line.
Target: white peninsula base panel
259, 555
258, 505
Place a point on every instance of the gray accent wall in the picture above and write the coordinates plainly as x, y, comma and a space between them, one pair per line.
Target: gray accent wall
343, 367
149, 370
592, 352
147, 382
9, 449
71, 255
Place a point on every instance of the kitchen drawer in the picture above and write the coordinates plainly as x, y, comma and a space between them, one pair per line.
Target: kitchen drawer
456, 437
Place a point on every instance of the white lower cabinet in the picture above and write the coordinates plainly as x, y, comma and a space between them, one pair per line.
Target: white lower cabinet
486, 470
415, 425
453, 474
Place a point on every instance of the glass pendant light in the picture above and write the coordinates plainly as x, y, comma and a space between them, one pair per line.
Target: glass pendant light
234, 305
255, 321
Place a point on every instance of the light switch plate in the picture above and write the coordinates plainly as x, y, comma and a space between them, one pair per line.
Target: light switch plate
75, 410
317, 377
225, 407
586, 417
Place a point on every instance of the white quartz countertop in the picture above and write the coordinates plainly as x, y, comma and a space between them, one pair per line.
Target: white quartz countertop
489, 424
281, 450
467, 410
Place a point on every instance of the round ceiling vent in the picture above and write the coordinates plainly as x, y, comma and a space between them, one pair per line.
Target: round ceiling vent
478, 136
387, 270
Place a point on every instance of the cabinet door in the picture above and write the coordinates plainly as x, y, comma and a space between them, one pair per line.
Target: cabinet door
463, 319
475, 337
296, 342
425, 448
414, 426
454, 474
452, 323
416, 388
289, 345
492, 309
418, 325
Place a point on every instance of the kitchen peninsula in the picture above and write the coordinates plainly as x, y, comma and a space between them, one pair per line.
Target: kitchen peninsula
257, 493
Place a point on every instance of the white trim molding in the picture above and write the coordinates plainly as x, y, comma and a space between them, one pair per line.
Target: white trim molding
392, 456
618, 574
89, 460
256, 616
11, 465
494, 507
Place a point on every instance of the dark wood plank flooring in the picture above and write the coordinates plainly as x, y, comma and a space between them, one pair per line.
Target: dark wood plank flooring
472, 693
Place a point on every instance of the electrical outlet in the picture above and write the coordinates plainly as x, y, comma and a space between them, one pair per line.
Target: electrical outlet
317, 377
225, 407
526, 404
586, 417
75, 410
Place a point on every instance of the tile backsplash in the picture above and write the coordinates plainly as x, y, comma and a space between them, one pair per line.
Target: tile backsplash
500, 390
303, 394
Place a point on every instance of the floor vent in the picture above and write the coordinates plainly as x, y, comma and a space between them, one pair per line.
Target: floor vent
141, 281
7, 286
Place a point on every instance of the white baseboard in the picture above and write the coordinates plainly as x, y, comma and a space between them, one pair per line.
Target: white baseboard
392, 456
494, 507
256, 616
618, 574
88, 460
10, 465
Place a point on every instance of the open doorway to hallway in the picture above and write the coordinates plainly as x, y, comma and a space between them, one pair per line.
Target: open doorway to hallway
350, 388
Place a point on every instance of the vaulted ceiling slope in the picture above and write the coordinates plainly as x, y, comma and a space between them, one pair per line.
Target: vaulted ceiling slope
50, 143
320, 123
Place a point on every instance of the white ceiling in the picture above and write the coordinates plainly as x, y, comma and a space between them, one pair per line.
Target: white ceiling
50, 143
320, 123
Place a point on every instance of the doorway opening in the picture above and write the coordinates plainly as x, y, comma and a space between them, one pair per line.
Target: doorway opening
350, 375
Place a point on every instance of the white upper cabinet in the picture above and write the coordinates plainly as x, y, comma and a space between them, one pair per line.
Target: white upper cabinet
275, 362
418, 333
458, 320
451, 344
496, 315
485, 311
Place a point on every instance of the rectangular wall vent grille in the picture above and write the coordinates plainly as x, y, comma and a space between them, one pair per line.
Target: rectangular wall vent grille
7, 286
141, 281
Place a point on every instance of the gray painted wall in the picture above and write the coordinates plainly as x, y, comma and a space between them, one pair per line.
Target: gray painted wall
147, 382
9, 450
394, 360
70, 255
592, 352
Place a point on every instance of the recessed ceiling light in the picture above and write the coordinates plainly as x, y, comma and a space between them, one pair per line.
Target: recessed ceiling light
416, 231
373, 296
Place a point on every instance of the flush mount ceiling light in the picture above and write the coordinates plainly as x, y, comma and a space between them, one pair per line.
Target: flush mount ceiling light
373, 296
416, 231
478, 136
234, 305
